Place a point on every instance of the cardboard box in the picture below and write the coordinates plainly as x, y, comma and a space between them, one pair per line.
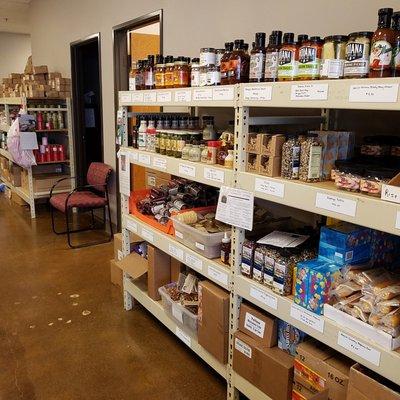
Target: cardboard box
253, 143
18, 200
213, 321
154, 179
391, 190
269, 166
269, 369
159, 271
116, 274
271, 145
134, 265
176, 268
118, 244
252, 163
40, 69
338, 376
53, 75
15, 175
259, 326
302, 393
44, 182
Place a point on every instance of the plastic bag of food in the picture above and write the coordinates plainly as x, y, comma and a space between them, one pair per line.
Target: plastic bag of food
387, 306
358, 313
394, 332
387, 292
392, 319
346, 289
367, 303
380, 282
347, 303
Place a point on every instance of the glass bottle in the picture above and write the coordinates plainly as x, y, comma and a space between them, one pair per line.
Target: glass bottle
186, 150
396, 49
168, 144
257, 59
380, 62
174, 142
160, 72
213, 75
291, 158
151, 137
228, 163
194, 153
60, 117
204, 153
235, 61
132, 75
272, 57
226, 249
208, 130
224, 68
149, 73
195, 73
55, 121
310, 54
301, 39
142, 137
169, 72
181, 73
180, 144
288, 59
175, 123
140, 75
163, 138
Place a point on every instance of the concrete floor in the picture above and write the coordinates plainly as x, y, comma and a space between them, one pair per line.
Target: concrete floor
50, 351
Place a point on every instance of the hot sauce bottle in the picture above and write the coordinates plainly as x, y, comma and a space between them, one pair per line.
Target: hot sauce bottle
382, 46
396, 49
235, 62
149, 73
288, 59
271, 56
225, 63
257, 59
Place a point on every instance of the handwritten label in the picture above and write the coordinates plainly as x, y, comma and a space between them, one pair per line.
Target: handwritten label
374, 93
213, 174
150, 97
309, 91
134, 157
256, 93
193, 262
183, 96
336, 204
147, 235
359, 348
131, 226
202, 94
308, 318
223, 93
137, 97
242, 347
264, 297
164, 97
390, 193
189, 170
160, 163
177, 313
125, 98
183, 336
269, 187
175, 252
254, 324
397, 225
144, 159
219, 276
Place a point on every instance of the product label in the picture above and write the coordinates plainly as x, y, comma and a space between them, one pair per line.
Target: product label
203, 79
257, 273
309, 63
381, 55
132, 83
264, 297
254, 325
308, 318
357, 59
207, 58
202, 94
234, 69
245, 269
309, 91
271, 65
396, 57
149, 78
178, 234
242, 347
256, 93
336, 204
295, 161
269, 269
195, 78
374, 93
164, 97
200, 246
269, 187
288, 65
213, 78
332, 68
194, 262
257, 65
183, 96
150, 97
314, 165
147, 235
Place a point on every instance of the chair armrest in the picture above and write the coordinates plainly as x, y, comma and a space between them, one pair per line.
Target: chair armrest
83, 187
60, 180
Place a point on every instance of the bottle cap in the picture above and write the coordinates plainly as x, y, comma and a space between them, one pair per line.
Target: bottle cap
226, 238
288, 38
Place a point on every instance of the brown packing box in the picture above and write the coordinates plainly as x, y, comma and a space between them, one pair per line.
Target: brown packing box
44, 182
65, 95
18, 200
365, 384
259, 326
118, 244
156, 178
159, 271
271, 145
116, 274
40, 69
134, 265
302, 393
15, 175
252, 162
176, 268
269, 369
269, 166
62, 81
338, 376
253, 143
53, 94
213, 323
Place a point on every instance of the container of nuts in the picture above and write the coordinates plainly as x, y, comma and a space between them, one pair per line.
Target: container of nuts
291, 158
310, 159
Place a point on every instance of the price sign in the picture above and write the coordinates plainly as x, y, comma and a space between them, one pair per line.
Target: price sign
189, 170
202, 94
125, 97
160, 163
194, 262
310, 91
223, 93
175, 252
382, 93
264, 297
337, 204
150, 97
164, 97
269, 187
219, 276
307, 317
131, 225
257, 93
147, 235
144, 159
183, 96
137, 97
213, 174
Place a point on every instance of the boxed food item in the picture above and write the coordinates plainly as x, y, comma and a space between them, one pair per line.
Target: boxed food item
329, 141
253, 143
246, 266
116, 274
252, 163
159, 271
342, 256
346, 142
302, 393
269, 165
213, 321
271, 145
40, 69
289, 337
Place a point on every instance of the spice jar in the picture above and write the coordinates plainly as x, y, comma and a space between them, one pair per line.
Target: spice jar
288, 59
169, 72
168, 144
194, 153
212, 146
291, 158
195, 73
204, 154
333, 57
310, 54
207, 56
358, 49
181, 73
186, 150
163, 137
228, 163
310, 159
174, 141
160, 72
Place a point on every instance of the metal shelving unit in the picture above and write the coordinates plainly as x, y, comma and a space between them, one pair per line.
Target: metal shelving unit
357, 94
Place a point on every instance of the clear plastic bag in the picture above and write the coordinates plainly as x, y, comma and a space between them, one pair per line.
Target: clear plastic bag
347, 303
358, 312
387, 306
367, 304
346, 289
392, 320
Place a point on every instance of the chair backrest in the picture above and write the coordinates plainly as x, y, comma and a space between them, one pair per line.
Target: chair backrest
98, 175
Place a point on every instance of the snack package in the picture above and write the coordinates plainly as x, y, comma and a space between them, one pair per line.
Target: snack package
289, 337
347, 303
392, 320
385, 250
366, 304
258, 263
344, 256
357, 312
346, 289
387, 306
345, 235
246, 266
269, 266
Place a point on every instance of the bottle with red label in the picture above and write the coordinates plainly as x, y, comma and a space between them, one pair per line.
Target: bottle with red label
396, 49
39, 121
61, 152
54, 152
225, 63
239, 63
382, 46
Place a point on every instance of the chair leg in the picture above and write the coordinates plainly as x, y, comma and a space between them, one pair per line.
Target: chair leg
109, 219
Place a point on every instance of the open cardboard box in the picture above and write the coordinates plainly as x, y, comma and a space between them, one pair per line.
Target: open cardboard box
391, 190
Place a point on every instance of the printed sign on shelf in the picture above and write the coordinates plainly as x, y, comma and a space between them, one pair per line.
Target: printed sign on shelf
160, 163
183, 96
336, 204
150, 97
309, 91
186, 169
125, 97
264, 297
269, 187
124, 173
382, 93
223, 93
164, 96
193, 262
257, 93
243, 347
202, 94
219, 276
144, 159
307, 317
213, 174
147, 235
175, 252
137, 97
131, 226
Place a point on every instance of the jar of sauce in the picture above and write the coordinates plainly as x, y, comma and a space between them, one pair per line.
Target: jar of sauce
288, 59
225, 63
272, 57
358, 50
333, 57
169, 72
310, 54
239, 64
207, 56
149, 73
160, 72
181, 73
195, 73
396, 49
257, 59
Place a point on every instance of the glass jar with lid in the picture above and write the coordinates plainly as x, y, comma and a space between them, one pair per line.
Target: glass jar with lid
208, 130
163, 137
168, 144
169, 72
310, 159
203, 75
160, 72
358, 50
180, 143
204, 153
181, 73
186, 150
291, 158
207, 56
333, 57
213, 75
194, 152
195, 73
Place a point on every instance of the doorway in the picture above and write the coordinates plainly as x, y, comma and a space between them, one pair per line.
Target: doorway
87, 104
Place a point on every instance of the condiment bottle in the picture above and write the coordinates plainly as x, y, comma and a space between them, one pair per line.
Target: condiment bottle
301, 39
151, 137
149, 73
208, 130
226, 248
213, 75
186, 150
272, 58
257, 59
195, 73
333, 57
396, 49
160, 72
142, 137
132, 75
288, 59
310, 53
204, 154
224, 68
358, 50
140, 75
380, 62
169, 72
239, 64
228, 163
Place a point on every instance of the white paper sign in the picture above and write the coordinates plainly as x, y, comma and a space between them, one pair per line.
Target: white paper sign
164, 97
183, 96
144, 159
137, 97
160, 163
269, 187
219, 276
177, 313
382, 93
147, 235
264, 297
309, 91
131, 226
283, 239
134, 157
178, 234
126, 98
183, 336
307, 317
223, 93
235, 207
254, 324
337, 204
124, 174
175, 252
189, 170
193, 262
359, 348
390, 193
397, 225
213, 174
243, 347
150, 97
202, 94
258, 93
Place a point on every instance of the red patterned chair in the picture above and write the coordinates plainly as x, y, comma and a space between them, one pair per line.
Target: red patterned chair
85, 198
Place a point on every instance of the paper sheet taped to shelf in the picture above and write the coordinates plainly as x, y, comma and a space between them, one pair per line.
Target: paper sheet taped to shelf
183, 336
219, 276
124, 173
131, 226
213, 174
186, 169
202, 94
307, 317
183, 96
336, 204
177, 313
309, 91
359, 348
235, 207
160, 163
257, 93
137, 97
144, 159
126, 98
264, 297
175, 252
383, 93
164, 97
194, 262
269, 187
147, 235
149, 97
223, 93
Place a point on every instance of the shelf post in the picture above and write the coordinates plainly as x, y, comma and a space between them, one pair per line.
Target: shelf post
31, 193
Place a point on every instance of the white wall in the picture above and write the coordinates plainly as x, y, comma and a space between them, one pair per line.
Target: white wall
14, 51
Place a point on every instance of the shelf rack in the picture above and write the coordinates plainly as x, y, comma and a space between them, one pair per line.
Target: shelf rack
351, 94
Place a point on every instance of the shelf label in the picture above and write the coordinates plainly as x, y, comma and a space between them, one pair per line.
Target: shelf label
189, 170
309, 91
219, 276
336, 204
183, 96
307, 317
202, 94
150, 97
382, 93
397, 225
256, 93
131, 226
200, 246
390, 193
213, 174
160, 163
147, 235
144, 159
223, 93
194, 262
175, 252
134, 157
177, 313
254, 324
164, 97
242, 347
178, 234
183, 336
269, 187
359, 348
137, 97
126, 98
264, 297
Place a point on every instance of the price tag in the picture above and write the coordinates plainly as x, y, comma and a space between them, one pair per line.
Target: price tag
134, 157
309, 91
336, 204
147, 235
213, 174
183, 96
257, 93
193, 262
243, 347
189, 170
131, 225
125, 98
164, 97
160, 163
149, 97
183, 336
177, 313
219, 276
308, 318
359, 348
202, 94
223, 93
264, 297
175, 252
397, 225
144, 159
137, 97
382, 93
178, 234
270, 187
390, 193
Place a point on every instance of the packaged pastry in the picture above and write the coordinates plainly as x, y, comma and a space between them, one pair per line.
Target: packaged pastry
346, 304
388, 292
348, 181
366, 304
346, 289
358, 312
394, 332
387, 306
392, 319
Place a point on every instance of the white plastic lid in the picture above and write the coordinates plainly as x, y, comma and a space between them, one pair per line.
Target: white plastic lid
226, 238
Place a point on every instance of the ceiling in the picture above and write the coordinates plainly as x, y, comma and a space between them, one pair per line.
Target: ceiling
14, 16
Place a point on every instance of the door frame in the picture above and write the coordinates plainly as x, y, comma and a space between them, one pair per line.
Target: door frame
77, 103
